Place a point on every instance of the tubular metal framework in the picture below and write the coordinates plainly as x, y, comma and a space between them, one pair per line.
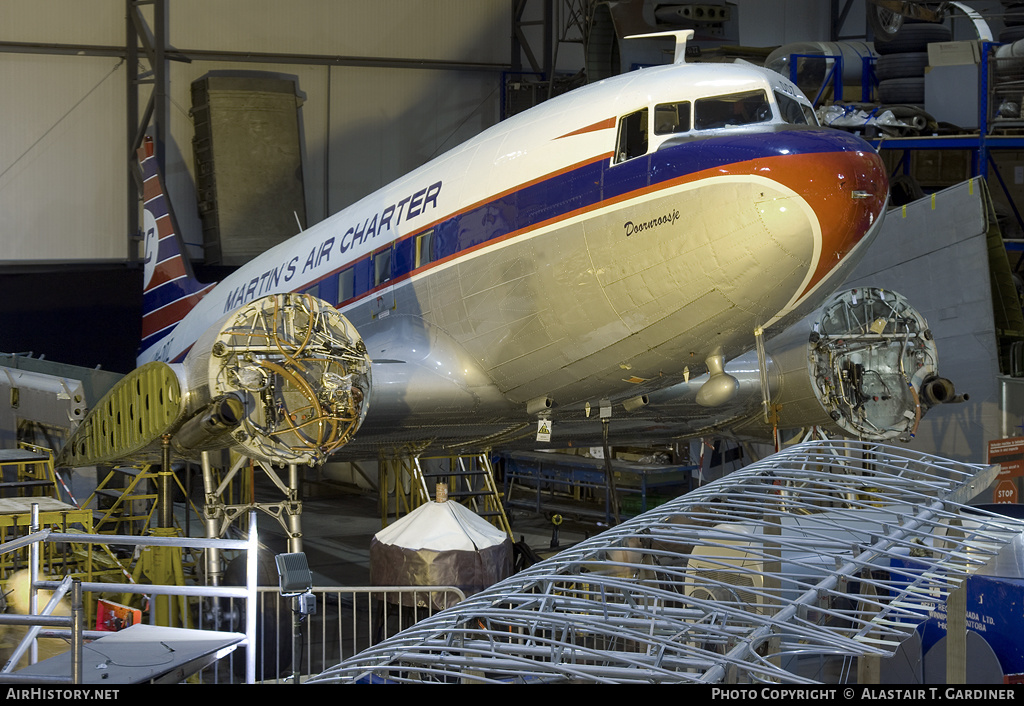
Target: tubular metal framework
820, 553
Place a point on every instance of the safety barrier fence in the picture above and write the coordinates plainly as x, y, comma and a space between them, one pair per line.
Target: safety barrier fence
347, 620
73, 628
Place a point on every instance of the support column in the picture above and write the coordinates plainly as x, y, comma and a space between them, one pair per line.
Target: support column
294, 510
212, 512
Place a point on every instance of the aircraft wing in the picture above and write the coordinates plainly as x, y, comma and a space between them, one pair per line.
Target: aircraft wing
824, 549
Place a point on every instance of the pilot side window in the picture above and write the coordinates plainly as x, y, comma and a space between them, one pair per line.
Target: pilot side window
672, 118
632, 141
732, 110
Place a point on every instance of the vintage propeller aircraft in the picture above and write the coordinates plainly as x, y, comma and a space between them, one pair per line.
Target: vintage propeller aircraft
601, 248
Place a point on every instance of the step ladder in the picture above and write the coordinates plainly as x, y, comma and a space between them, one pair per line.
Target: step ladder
470, 481
134, 494
134, 500
469, 478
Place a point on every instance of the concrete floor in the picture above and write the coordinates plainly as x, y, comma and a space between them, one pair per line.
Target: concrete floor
338, 526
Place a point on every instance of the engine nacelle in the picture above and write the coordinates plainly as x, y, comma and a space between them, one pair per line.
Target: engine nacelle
300, 371
863, 366
284, 379
870, 364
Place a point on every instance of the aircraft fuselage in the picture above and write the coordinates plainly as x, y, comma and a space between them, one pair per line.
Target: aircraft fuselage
595, 246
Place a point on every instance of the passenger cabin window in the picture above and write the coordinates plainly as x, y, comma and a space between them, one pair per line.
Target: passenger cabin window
381, 266
732, 110
632, 141
671, 118
424, 248
795, 112
346, 284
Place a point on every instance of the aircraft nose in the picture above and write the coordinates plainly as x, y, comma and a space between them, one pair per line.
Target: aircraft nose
844, 181
859, 190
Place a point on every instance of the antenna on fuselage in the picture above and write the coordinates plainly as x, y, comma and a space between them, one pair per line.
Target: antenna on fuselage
681, 35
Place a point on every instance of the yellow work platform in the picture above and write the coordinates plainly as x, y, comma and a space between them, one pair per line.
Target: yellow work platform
16, 519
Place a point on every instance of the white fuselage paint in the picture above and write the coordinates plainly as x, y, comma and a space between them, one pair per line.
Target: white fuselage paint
600, 300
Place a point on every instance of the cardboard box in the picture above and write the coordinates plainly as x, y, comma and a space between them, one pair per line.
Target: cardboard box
954, 53
951, 94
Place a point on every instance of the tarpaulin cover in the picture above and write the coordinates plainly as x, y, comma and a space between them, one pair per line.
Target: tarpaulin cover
440, 544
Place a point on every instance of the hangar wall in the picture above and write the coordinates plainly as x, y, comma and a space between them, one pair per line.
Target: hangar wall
63, 179
62, 172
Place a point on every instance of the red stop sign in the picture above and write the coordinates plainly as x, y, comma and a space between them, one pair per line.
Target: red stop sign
1005, 492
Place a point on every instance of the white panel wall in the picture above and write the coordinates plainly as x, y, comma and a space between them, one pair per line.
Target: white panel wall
94, 22
455, 30
63, 179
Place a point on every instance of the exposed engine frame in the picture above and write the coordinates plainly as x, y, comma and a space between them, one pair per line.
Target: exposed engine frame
284, 379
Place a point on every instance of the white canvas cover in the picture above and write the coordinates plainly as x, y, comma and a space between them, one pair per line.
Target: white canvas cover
441, 544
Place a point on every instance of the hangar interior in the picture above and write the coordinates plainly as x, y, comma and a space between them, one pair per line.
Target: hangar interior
267, 118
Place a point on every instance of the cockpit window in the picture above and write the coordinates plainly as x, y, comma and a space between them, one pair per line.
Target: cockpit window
632, 141
734, 109
794, 111
671, 118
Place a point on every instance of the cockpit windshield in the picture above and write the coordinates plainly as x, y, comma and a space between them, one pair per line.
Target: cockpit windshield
732, 110
795, 112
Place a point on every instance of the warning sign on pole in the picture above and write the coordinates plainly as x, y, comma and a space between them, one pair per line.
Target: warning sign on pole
1009, 454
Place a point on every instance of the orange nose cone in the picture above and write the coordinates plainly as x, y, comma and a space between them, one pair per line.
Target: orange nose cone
854, 204
847, 189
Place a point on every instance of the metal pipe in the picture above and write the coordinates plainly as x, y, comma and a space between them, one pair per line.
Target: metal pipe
294, 510
77, 626
251, 583
258, 57
211, 511
196, 542
44, 621
33, 576
154, 590
25, 541
164, 501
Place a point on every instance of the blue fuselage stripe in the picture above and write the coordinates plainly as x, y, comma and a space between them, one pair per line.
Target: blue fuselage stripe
568, 192
590, 185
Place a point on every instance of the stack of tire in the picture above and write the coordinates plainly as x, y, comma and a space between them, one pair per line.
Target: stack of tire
1013, 22
902, 60
1008, 65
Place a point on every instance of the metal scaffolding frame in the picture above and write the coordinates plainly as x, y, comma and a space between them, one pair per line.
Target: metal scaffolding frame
817, 555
